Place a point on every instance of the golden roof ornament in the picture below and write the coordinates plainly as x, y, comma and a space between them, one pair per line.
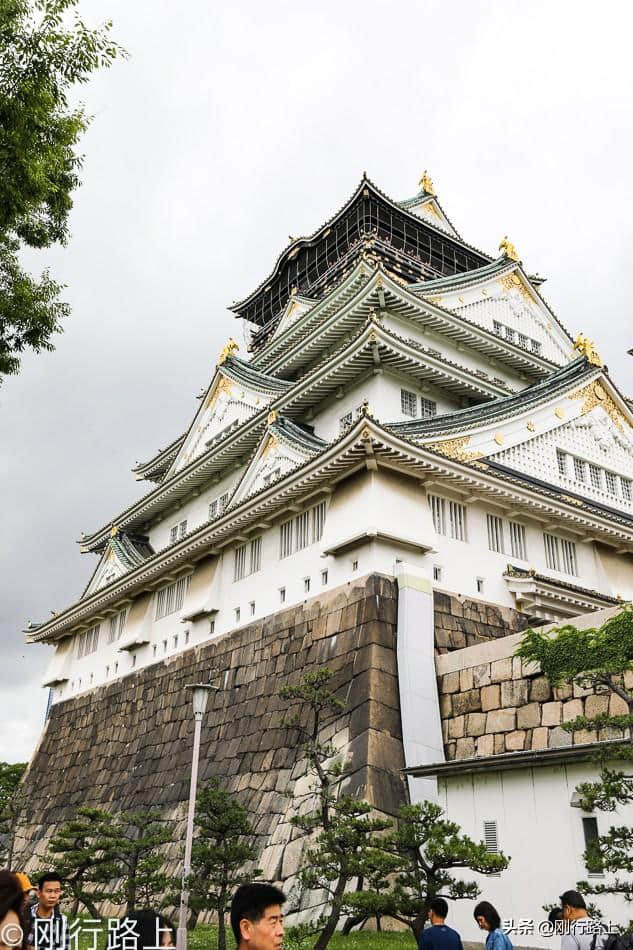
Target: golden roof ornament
586, 347
230, 349
273, 415
508, 249
426, 183
113, 530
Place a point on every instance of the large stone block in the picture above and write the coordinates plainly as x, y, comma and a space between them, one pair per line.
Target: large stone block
552, 713
501, 670
596, 706
515, 741
466, 702
501, 720
571, 709
475, 724
529, 716
540, 690
490, 697
514, 693
465, 748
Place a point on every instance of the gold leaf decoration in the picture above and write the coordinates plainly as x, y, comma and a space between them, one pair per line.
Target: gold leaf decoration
455, 449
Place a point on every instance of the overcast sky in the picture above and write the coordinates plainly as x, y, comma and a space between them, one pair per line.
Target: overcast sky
234, 125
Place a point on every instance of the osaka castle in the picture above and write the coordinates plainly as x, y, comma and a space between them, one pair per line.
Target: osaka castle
408, 427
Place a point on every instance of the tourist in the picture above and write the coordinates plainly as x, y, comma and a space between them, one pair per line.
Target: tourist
11, 897
488, 919
142, 929
257, 919
582, 932
48, 927
438, 936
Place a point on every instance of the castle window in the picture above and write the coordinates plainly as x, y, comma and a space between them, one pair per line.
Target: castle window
497, 327
212, 626
186, 637
285, 539
509, 334
595, 475
495, 533
178, 531
627, 489
324, 576
437, 572
561, 461
224, 500
237, 614
523, 340
116, 626
429, 408
171, 598
88, 641
318, 521
256, 555
438, 512
408, 403
480, 585
252, 608
457, 520
306, 585
302, 525
282, 595
560, 555
154, 649
579, 470
239, 565
536, 347
454, 525
175, 641
518, 544
134, 659
213, 509
354, 565
611, 482
591, 835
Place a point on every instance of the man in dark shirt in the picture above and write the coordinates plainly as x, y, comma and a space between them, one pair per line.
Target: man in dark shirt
438, 936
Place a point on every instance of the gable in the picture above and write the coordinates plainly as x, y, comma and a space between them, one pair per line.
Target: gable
295, 308
227, 404
508, 306
284, 447
429, 210
592, 456
108, 570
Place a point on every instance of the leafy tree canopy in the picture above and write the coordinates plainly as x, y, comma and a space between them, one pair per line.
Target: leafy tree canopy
44, 53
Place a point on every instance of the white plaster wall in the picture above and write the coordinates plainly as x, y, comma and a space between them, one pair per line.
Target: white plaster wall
539, 829
380, 501
195, 510
463, 356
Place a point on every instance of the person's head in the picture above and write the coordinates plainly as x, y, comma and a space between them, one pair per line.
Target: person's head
486, 916
555, 915
10, 893
438, 909
151, 930
49, 890
257, 917
573, 905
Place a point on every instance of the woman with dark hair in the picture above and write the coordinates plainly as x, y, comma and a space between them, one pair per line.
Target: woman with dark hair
149, 929
488, 919
11, 899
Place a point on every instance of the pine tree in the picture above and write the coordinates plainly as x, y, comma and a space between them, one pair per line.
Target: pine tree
601, 659
84, 855
222, 852
139, 835
10, 800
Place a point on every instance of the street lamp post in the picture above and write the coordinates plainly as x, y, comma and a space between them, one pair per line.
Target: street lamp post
200, 696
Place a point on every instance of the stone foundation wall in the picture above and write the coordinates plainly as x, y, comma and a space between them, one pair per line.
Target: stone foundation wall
128, 744
493, 702
462, 622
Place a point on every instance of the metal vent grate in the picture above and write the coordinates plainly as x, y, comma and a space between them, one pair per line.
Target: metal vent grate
491, 837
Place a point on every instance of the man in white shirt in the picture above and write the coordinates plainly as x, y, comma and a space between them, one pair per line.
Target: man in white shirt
582, 931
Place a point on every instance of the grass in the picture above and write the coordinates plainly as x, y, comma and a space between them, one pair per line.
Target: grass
205, 937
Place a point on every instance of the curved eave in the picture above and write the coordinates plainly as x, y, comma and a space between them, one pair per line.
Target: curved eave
337, 461
488, 414
474, 278
424, 198
155, 467
381, 292
306, 242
